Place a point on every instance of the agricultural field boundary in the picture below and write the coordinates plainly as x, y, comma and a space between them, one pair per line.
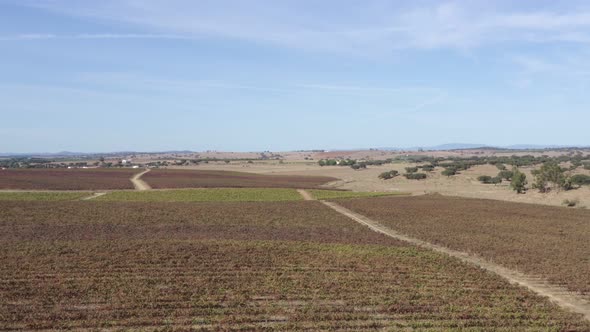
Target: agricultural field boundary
138, 183
558, 295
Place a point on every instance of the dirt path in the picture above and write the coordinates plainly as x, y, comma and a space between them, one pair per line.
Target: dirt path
306, 196
138, 183
558, 295
93, 196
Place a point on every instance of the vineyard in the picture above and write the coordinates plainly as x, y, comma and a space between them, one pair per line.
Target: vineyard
166, 178
205, 195
66, 179
239, 266
549, 242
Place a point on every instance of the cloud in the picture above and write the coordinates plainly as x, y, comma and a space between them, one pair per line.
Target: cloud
38, 36
340, 26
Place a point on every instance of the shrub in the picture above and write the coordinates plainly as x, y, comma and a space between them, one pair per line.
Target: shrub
506, 175
411, 169
587, 166
580, 180
496, 180
415, 176
428, 168
501, 167
388, 175
485, 179
358, 166
571, 202
449, 172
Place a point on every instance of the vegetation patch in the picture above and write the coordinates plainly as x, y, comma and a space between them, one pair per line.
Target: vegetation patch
205, 195
42, 196
335, 194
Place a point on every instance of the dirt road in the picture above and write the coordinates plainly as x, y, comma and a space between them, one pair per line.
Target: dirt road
306, 196
558, 295
93, 196
138, 183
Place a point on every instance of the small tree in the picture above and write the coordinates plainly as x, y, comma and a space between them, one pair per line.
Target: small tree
519, 181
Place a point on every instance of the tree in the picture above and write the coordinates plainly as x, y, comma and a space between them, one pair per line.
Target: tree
550, 173
519, 181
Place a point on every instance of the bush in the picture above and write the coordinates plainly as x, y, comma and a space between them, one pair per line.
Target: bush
506, 175
496, 180
415, 176
571, 202
485, 179
388, 175
449, 172
501, 167
580, 180
428, 168
411, 169
587, 166
358, 166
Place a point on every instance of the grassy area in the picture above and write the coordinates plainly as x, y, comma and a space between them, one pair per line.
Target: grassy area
205, 195
42, 196
336, 194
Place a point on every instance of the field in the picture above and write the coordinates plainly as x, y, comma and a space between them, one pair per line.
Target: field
168, 178
248, 266
205, 195
335, 194
464, 184
66, 179
543, 241
42, 196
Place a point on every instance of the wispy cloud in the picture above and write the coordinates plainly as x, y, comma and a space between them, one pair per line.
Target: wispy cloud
45, 36
371, 26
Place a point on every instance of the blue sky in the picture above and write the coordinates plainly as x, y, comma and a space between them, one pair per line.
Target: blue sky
283, 75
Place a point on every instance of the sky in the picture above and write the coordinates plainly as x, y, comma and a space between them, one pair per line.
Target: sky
143, 75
